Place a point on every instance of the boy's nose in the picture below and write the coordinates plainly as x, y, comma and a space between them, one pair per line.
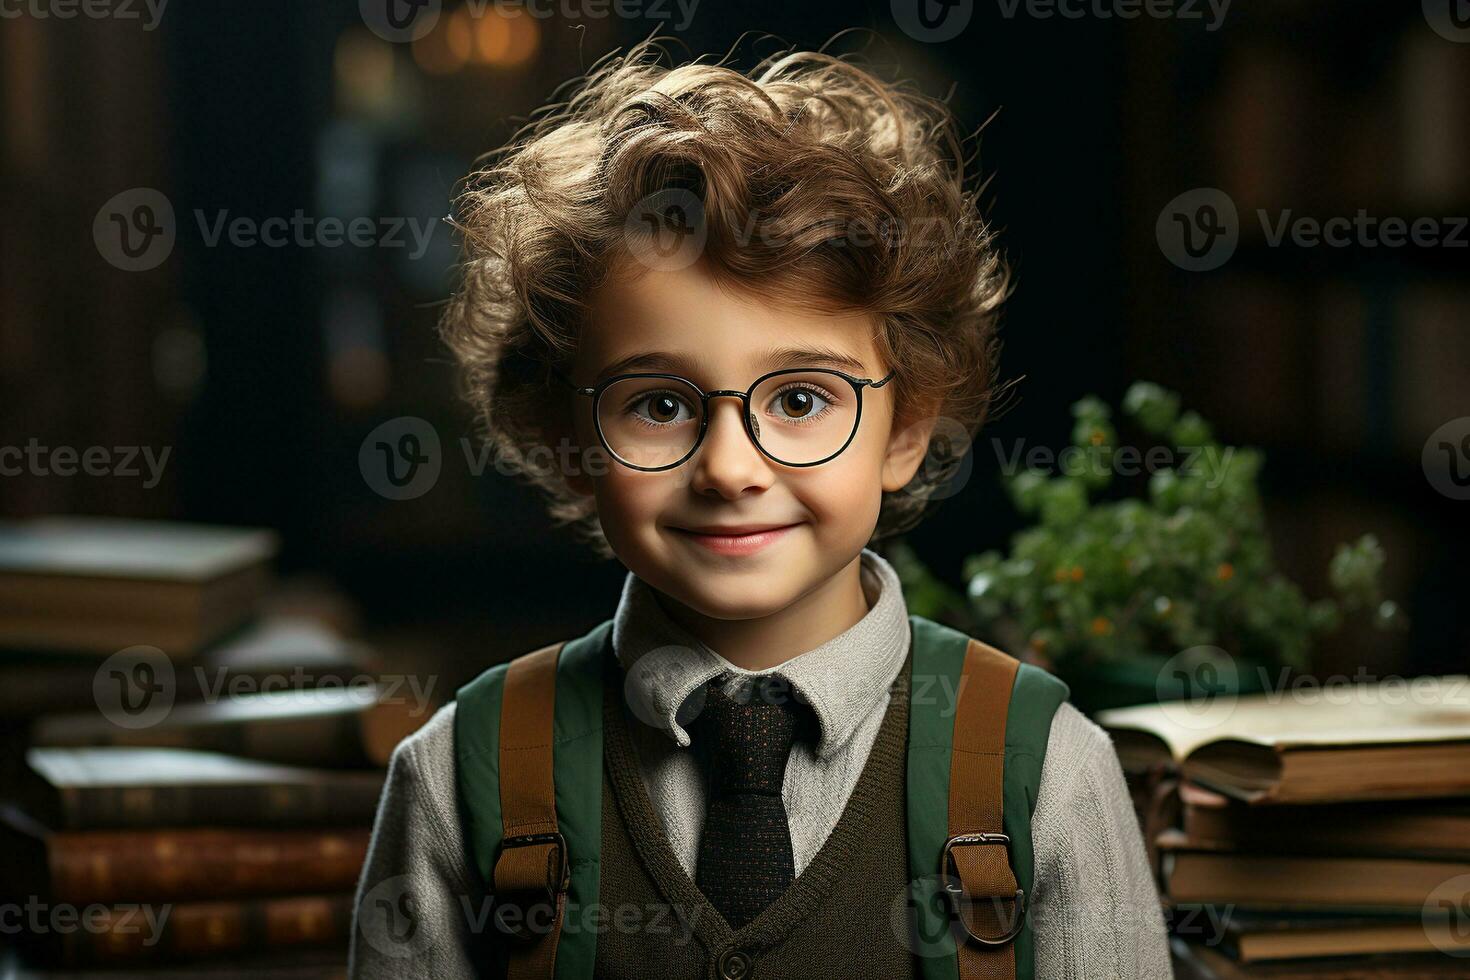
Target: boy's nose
728, 463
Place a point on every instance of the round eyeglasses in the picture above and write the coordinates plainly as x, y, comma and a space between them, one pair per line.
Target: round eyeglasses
796, 416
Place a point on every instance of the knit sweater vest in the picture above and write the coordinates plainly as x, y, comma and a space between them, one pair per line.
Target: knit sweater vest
843, 916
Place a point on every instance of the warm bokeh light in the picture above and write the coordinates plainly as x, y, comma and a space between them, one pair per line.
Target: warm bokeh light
492, 37
498, 37
459, 34
525, 38
436, 55
362, 70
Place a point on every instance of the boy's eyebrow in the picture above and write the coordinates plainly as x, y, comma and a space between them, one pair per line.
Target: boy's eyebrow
773, 359
802, 356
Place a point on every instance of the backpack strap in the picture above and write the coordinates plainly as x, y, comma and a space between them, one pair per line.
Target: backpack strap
528, 744
979, 721
531, 872
982, 890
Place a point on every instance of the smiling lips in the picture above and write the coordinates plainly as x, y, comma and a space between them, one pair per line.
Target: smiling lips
736, 539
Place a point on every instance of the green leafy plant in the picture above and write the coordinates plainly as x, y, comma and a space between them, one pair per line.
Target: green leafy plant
1186, 564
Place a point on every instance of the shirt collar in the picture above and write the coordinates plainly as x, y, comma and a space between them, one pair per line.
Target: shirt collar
843, 680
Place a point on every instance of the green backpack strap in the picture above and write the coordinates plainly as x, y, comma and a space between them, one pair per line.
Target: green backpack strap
577, 773
938, 664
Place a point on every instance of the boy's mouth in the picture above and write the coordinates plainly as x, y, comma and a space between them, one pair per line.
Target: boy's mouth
735, 539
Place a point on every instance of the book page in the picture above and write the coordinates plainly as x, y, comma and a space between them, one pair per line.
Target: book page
1422, 709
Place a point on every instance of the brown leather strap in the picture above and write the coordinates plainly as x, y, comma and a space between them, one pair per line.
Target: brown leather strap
530, 873
986, 902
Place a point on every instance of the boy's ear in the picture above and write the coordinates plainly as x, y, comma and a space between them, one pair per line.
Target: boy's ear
907, 445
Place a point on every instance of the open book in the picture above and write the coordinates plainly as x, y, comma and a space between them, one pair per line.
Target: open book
1410, 738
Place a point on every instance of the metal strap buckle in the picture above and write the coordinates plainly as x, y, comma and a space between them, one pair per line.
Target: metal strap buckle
956, 892
520, 925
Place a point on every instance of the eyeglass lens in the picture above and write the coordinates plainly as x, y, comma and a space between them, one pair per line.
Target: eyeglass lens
797, 418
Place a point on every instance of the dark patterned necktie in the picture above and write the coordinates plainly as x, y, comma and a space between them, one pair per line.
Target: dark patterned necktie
743, 742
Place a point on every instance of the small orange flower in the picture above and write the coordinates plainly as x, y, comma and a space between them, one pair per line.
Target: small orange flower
1102, 626
1226, 571
1077, 573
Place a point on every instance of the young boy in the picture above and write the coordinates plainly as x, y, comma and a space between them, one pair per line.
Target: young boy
716, 317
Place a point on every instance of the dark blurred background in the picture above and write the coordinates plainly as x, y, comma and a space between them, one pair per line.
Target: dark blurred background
265, 368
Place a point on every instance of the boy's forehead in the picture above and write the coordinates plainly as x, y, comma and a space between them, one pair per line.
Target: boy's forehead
685, 321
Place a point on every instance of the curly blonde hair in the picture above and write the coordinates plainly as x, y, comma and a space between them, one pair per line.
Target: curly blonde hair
856, 191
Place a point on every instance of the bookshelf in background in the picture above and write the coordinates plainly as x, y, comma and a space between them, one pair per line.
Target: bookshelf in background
79, 338
402, 126
1338, 361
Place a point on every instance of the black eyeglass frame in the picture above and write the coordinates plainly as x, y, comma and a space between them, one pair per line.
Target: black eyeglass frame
595, 393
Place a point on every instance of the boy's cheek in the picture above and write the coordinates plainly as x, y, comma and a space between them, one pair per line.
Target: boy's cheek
631, 498
842, 496
844, 500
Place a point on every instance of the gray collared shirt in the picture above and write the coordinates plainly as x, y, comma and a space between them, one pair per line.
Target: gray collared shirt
846, 681
1094, 907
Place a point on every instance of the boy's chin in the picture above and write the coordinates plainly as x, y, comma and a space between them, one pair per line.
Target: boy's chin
731, 608
730, 595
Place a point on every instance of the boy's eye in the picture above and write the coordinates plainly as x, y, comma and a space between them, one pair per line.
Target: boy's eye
798, 402
662, 407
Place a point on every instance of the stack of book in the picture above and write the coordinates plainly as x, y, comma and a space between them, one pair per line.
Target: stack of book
190, 782
1316, 833
73, 584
